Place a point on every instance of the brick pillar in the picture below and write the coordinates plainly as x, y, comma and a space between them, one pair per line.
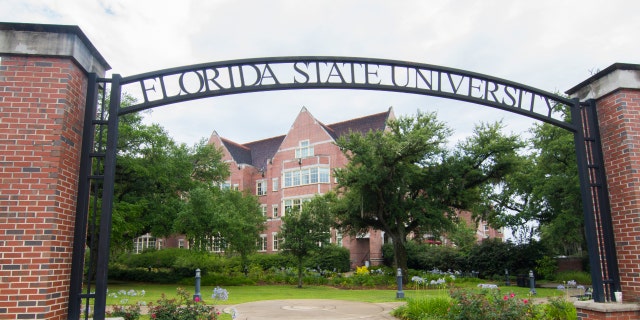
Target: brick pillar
617, 94
43, 84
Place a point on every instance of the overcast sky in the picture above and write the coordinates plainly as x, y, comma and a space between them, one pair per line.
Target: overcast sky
551, 45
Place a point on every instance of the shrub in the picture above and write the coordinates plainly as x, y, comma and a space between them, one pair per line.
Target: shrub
182, 308
489, 305
559, 308
581, 277
547, 267
128, 312
118, 272
432, 308
269, 261
332, 258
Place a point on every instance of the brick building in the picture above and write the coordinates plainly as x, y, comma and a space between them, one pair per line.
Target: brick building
285, 171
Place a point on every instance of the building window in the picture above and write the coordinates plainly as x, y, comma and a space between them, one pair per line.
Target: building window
144, 242
181, 243
274, 210
276, 241
218, 244
274, 184
298, 177
294, 204
263, 208
262, 243
305, 149
339, 239
159, 244
261, 187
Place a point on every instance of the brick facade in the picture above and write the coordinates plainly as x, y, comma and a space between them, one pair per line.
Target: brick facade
266, 162
616, 91
619, 117
41, 109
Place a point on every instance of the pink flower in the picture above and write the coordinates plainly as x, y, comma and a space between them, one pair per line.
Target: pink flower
525, 301
512, 295
197, 299
505, 298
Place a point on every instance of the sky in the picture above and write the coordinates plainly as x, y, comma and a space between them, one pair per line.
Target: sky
550, 45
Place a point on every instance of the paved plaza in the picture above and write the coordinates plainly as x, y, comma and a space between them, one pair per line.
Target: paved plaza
313, 309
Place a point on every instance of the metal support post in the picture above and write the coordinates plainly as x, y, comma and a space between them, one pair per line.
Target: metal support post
532, 282
400, 293
197, 296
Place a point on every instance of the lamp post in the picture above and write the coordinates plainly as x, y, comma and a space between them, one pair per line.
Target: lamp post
197, 297
506, 277
532, 282
400, 293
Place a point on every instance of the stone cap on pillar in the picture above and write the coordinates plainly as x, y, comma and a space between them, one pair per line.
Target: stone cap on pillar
51, 40
615, 77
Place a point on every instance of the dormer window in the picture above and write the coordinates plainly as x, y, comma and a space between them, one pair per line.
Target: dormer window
304, 149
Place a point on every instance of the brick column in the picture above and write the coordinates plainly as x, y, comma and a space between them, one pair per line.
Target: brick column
43, 84
617, 94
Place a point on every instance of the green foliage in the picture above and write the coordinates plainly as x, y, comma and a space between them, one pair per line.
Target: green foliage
330, 257
489, 305
127, 312
426, 308
272, 261
224, 217
305, 231
404, 181
182, 308
559, 309
547, 267
117, 272
580, 277
546, 191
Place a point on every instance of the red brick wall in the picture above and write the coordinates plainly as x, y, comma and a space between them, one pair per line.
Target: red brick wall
41, 111
619, 118
584, 314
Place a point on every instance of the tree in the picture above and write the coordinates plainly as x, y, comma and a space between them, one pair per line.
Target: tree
546, 191
404, 181
241, 223
306, 230
153, 173
228, 218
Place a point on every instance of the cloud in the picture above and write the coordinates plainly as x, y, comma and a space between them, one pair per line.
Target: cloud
548, 44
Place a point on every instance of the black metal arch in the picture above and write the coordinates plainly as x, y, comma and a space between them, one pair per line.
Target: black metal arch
97, 170
285, 73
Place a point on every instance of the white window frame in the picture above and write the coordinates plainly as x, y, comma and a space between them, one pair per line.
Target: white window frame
274, 211
274, 184
263, 209
304, 149
306, 176
262, 243
275, 241
261, 187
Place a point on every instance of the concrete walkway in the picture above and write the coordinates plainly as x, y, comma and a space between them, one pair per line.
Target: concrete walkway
313, 309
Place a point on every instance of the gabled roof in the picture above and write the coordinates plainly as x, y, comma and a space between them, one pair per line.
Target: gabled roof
257, 153
374, 122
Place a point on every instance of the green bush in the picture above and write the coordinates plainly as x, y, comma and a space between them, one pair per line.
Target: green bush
558, 308
272, 261
490, 305
580, 277
117, 272
546, 268
332, 258
183, 308
431, 308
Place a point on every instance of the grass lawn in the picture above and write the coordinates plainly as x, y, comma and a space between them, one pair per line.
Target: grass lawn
242, 294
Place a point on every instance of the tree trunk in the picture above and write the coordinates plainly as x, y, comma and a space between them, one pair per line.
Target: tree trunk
299, 272
400, 256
